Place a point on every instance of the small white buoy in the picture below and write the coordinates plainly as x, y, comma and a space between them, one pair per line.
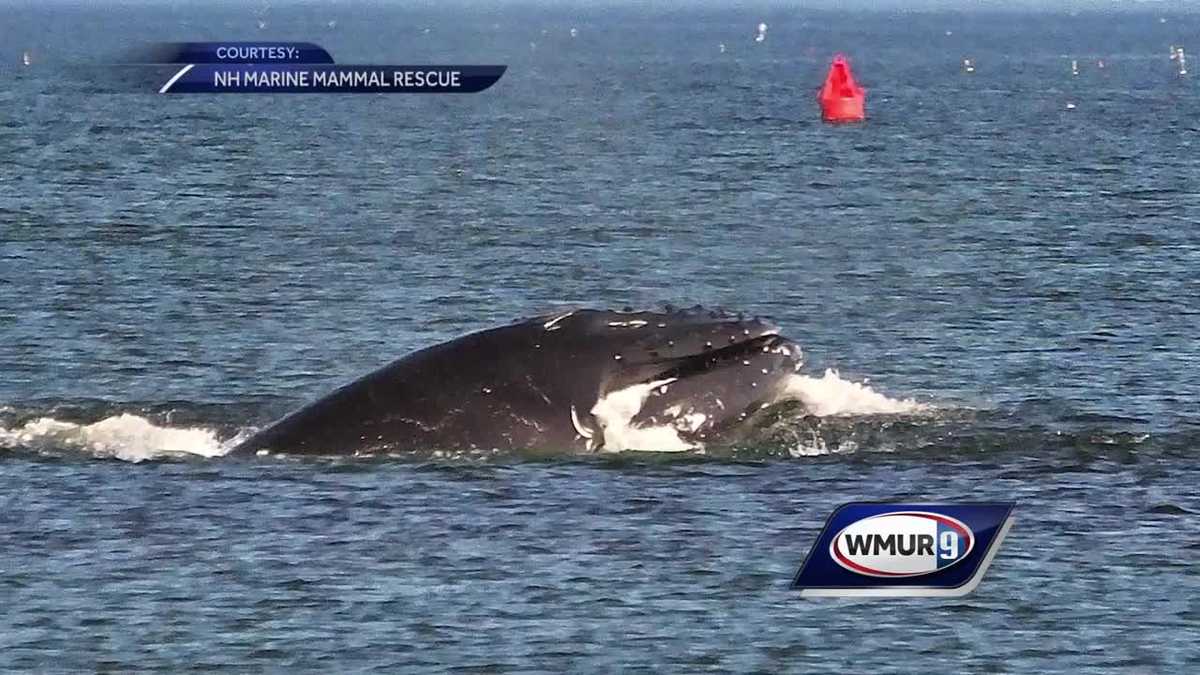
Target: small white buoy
574, 32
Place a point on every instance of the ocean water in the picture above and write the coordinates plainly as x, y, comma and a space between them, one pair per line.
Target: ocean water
996, 294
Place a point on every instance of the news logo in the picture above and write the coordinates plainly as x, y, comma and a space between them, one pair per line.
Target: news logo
898, 550
903, 544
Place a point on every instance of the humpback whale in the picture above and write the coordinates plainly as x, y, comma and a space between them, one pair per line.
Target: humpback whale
580, 381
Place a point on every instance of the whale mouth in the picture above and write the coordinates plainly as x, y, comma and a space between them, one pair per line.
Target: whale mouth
738, 353
695, 342
680, 404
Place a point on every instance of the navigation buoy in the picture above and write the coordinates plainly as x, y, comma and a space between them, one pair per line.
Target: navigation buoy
841, 99
968, 66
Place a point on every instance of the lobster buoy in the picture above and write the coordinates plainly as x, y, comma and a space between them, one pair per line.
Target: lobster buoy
841, 99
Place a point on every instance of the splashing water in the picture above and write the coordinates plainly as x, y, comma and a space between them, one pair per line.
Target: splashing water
128, 437
825, 396
831, 395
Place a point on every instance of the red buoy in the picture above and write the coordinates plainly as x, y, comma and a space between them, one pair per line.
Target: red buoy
842, 100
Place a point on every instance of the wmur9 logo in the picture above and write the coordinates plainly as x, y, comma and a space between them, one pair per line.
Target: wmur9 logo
904, 544
904, 549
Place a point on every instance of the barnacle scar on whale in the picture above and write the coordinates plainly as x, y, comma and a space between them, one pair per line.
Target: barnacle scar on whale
579, 381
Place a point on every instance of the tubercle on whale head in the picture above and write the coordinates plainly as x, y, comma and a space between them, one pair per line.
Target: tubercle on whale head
772, 351
639, 337
695, 332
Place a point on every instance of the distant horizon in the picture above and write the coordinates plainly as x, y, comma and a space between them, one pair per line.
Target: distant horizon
1166, 7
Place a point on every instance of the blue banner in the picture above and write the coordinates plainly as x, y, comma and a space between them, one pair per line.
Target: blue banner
284, 78
299, 68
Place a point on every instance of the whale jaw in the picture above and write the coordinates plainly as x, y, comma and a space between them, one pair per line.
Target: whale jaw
707, 397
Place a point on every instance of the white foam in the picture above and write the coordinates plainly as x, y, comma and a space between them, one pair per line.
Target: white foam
831, 395
128, 437
815, 446
825, 396
615, 412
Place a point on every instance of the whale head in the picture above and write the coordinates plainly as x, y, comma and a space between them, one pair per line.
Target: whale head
688, 374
